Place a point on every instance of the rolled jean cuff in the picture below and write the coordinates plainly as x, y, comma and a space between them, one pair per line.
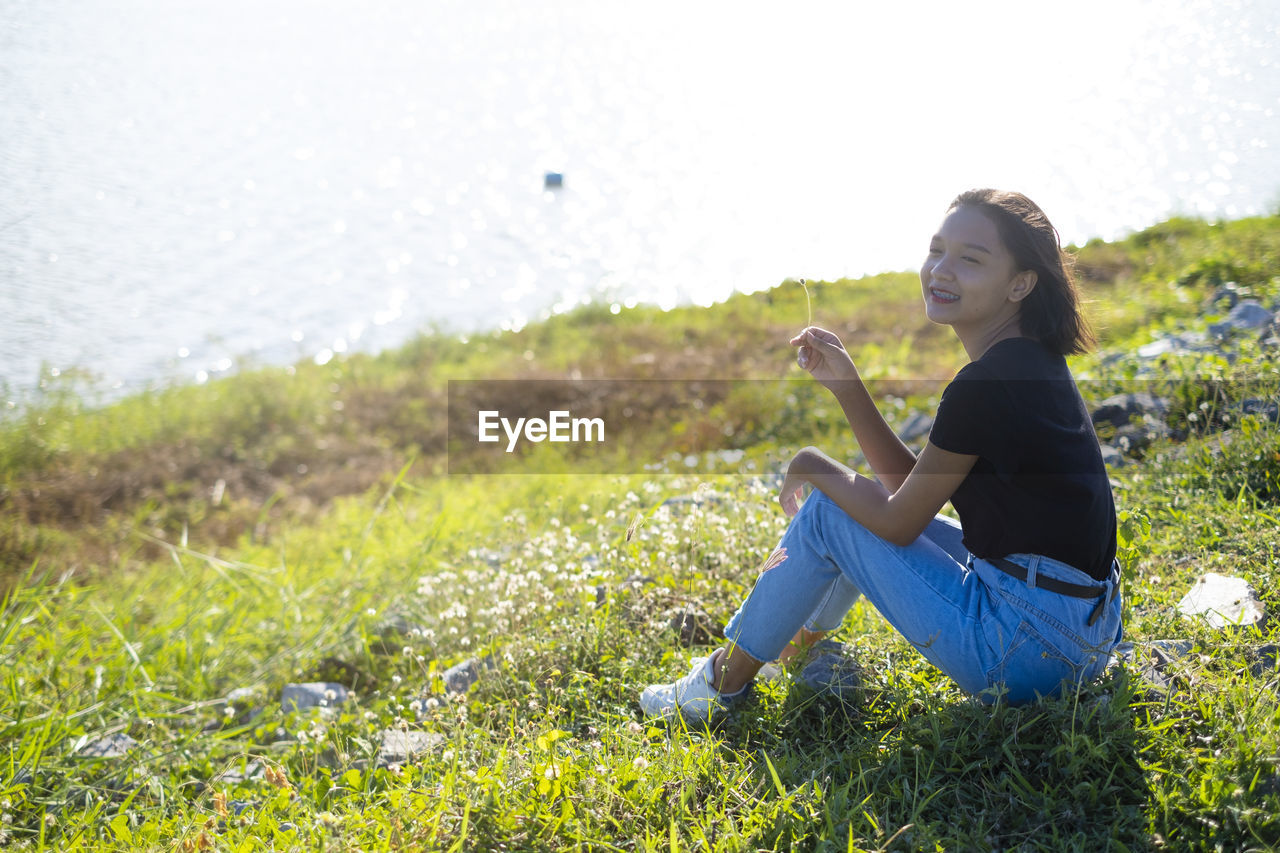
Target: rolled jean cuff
731, 634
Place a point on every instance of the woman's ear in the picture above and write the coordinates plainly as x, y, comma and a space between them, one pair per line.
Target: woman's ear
1023, 283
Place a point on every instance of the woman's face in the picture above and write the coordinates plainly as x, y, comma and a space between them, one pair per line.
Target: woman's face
969, 278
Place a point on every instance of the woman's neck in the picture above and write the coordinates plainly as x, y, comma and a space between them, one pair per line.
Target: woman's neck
977, 343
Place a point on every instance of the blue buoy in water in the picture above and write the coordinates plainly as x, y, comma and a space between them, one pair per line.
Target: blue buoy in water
553, 180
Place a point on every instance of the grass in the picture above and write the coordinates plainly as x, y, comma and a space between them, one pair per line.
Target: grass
136, 607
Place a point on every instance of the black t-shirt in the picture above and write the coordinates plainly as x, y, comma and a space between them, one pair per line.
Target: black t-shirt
1039, 485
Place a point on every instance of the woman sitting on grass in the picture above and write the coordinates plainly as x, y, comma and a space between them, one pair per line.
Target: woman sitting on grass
1020, 598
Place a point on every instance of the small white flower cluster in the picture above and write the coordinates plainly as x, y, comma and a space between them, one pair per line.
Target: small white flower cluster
563, 561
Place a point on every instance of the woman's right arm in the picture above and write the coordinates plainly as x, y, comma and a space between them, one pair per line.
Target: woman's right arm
826, 359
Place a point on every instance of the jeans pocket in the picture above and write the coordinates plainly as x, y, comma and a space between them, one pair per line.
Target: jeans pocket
1032, 666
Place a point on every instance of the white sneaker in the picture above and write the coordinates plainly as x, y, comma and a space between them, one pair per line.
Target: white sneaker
693, 697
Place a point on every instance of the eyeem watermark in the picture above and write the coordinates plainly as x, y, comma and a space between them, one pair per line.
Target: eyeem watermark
559, 426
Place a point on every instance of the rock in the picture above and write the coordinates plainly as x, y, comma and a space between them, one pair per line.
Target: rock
1187, 342
1269, 335
117, 745
459, 677
1165, 652
1263, 660
694, 627
391, 634
683, 502
832, 671
236, 775
916, 426
241, 696
1112, 458
239, 706
396, 626
1150, 659
402, 745
1265, 409
1134, 438
1119, 409
236, 807
1248, 314
1225, 297
770, 672
1121, 654
1222, 601
312, 694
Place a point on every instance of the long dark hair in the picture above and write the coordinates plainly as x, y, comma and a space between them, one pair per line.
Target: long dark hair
1051, 312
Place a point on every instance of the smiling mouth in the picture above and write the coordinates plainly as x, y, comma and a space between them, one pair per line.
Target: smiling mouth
942, 295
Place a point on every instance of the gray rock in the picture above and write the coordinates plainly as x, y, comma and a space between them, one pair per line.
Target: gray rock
236, 775
237, 807
459, 677
1269, 336
1119, 409
832, 671
1265, 409
1112, 458
684, 502
1134, 438
1248, 314
401, 745
1165, 652
693, 626
1150, 659
312, 694
243, 704
1187, 342
1122, 653
1222, 601
916, 426
117, 745
770, 672
396, 626
1224, 297
392, 634
1264, 659
242, 695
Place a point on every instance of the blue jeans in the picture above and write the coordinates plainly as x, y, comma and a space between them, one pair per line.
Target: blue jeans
982, 627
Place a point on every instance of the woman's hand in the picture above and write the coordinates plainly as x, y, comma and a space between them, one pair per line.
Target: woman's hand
822, 354
792, 491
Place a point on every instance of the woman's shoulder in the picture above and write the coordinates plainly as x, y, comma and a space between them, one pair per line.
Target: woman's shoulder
1022, 358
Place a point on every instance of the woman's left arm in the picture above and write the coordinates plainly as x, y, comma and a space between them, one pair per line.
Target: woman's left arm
900, 516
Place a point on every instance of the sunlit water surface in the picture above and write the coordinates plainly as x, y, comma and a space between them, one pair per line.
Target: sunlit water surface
191, 187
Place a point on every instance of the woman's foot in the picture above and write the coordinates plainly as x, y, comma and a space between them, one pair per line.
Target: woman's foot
694, 696
801, 644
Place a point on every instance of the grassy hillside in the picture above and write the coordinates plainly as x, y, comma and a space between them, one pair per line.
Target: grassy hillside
297, 525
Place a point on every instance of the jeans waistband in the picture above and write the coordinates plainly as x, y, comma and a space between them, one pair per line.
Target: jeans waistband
1075, 590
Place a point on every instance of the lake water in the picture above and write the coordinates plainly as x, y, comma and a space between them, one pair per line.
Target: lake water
189, 187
